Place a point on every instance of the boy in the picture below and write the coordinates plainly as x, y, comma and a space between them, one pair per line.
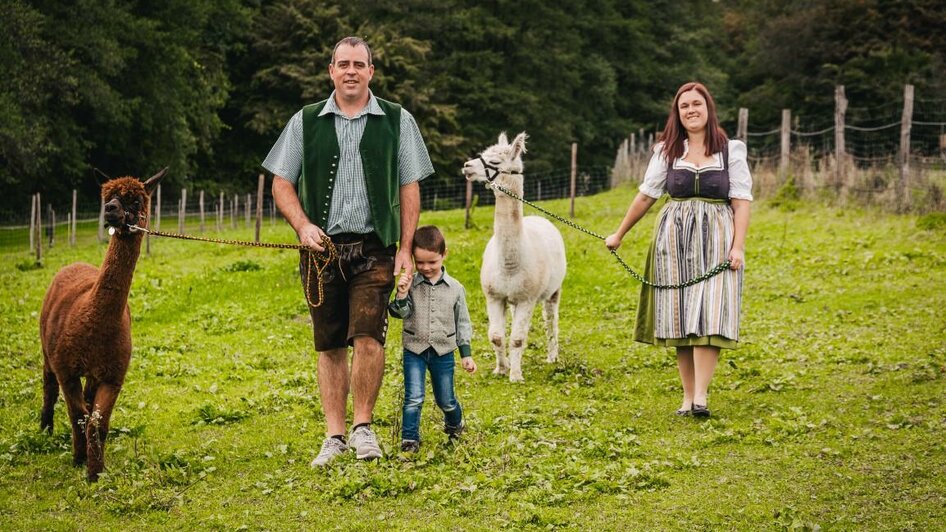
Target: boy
436, 323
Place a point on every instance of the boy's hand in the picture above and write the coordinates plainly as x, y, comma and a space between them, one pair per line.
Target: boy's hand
468, 364
403, 285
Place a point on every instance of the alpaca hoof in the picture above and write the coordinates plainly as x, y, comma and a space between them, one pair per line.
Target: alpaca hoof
516, 378
500, 371
551, 359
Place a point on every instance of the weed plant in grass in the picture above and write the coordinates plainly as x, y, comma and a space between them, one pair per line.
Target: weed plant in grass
830, 414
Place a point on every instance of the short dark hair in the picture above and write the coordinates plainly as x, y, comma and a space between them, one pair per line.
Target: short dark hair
430, 238
354, 42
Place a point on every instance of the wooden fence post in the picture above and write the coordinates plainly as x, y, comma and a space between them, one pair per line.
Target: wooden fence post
906, 122
220, 213
786, 143
840, 149
234, 210
32, 222
182, 211
468, 204
72, 226
742, 129
574, 176
39, 228
200, 203
259, 204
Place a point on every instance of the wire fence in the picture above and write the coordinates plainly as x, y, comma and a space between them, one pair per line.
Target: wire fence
190, 212
892, 155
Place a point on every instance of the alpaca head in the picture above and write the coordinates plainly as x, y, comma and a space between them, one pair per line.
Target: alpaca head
127, 201
501, 163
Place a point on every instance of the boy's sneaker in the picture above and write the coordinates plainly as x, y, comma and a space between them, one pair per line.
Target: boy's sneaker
410, 446
365, 444
331, 448
453, 433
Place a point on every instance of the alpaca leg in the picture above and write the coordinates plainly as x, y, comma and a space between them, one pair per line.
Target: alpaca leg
518, 336
550, 313
97, 428
72, 394
496, 310
89, 394
50, 396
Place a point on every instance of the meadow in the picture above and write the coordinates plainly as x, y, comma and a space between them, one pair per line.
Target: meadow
830, 415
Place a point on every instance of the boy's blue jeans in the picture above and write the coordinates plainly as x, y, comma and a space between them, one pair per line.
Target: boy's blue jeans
441, 380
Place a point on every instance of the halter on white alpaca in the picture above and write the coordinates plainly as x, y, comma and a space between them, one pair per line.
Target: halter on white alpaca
524, 261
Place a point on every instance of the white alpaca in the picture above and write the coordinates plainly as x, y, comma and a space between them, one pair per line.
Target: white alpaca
524, 261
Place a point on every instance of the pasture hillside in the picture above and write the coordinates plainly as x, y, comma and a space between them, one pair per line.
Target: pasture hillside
831, 414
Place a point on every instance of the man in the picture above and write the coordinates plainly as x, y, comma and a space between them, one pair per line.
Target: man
347, 168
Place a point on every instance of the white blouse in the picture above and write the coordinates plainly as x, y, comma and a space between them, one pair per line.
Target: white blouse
740, 181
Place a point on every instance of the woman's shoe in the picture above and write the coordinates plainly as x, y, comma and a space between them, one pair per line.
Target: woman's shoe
700, 411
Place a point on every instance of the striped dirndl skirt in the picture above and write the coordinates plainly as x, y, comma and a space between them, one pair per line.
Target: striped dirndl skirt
691, 237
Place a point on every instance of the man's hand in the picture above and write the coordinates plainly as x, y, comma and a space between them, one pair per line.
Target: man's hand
310, 235
468, 364
403, 261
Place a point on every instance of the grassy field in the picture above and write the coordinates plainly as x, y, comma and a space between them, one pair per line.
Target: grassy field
831, 414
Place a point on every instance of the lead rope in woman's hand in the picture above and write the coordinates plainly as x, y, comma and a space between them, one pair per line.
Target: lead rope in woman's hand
719, 268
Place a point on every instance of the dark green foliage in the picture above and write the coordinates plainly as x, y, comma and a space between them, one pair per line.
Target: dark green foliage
206, 86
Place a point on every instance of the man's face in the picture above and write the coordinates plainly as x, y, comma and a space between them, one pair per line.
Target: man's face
351, 72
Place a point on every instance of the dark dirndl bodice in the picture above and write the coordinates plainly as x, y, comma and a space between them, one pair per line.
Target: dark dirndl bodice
709, 183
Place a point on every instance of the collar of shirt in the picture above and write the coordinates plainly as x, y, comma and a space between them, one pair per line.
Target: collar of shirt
683, 163
444, 278
372, 107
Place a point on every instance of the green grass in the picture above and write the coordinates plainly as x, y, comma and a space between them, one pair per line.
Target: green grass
831, 414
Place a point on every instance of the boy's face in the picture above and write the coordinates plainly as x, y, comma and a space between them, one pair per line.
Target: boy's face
428, 262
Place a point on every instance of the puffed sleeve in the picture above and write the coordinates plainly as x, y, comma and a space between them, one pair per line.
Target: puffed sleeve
655, 178
740, 181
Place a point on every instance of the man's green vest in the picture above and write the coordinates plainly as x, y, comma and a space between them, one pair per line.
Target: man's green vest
379, 158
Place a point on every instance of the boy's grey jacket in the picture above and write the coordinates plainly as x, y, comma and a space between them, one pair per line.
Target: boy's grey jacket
435, 315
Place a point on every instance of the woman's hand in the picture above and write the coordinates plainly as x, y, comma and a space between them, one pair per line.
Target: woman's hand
613, 241
737, 258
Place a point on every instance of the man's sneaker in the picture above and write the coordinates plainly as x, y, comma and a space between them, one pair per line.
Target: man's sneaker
410, 446
365, 444
331, 448
453, 433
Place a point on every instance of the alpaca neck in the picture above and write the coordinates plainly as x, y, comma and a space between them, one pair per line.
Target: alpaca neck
110, 293
507, 226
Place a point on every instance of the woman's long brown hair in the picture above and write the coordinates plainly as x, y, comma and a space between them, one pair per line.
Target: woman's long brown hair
674, 133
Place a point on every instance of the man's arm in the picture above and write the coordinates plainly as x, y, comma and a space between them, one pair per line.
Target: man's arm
287, 200
410, 212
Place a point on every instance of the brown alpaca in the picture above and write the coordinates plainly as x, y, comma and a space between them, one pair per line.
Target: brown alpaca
85, 326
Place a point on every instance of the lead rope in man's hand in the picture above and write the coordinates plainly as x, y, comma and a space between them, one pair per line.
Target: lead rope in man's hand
319, 261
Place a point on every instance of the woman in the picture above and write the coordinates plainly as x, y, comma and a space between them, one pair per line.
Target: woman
702, 225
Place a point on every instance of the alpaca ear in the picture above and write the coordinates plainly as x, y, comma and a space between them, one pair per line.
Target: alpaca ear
502, 139
152, 183
519, 144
